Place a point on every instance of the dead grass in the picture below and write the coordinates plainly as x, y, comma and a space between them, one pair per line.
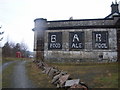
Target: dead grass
41, 80
102, 75
8, 59
7, 75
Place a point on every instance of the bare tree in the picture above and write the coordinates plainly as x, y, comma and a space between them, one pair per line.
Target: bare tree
24, 49
23, 46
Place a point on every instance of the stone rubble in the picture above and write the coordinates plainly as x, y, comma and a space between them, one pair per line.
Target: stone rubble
60, 78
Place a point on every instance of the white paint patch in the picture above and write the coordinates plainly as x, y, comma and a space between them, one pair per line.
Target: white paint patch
112, 56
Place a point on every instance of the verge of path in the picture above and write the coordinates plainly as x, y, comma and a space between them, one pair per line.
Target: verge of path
4, 65
19, 77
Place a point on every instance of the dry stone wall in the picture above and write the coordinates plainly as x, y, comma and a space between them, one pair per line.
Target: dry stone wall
60, 78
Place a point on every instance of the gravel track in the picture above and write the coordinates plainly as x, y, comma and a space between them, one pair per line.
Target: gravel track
19, 77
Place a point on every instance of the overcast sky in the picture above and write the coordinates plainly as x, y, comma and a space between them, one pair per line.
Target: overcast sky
17, 16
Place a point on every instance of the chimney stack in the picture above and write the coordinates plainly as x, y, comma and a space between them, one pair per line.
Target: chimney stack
114, 7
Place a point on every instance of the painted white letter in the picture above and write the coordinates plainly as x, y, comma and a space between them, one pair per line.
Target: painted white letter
75, 37
98, 37
53, 38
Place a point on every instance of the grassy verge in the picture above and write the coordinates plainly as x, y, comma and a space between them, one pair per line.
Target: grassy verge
103, 75
7, 59
41, 80
6, 76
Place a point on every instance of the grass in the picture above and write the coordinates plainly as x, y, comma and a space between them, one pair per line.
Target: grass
41, 80
6, 76
0, 80
102, 75
7, 59
110, 81
7, 72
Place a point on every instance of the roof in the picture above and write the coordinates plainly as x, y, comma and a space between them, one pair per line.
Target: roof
84, 23
112, 14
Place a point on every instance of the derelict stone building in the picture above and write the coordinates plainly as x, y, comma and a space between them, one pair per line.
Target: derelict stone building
78, 40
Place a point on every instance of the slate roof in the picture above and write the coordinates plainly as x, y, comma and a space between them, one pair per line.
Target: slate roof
112, 14
84, 23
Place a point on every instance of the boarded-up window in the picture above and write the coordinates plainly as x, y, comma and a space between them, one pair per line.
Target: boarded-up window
76, 40
54, 40
100, 40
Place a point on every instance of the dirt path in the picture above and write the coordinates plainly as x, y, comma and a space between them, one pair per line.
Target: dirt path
19, 78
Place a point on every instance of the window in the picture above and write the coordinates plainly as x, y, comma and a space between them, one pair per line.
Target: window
100, 39
54, 40
76, 40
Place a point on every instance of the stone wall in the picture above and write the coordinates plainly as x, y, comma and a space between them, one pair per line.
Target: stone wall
76, 40
88, 53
